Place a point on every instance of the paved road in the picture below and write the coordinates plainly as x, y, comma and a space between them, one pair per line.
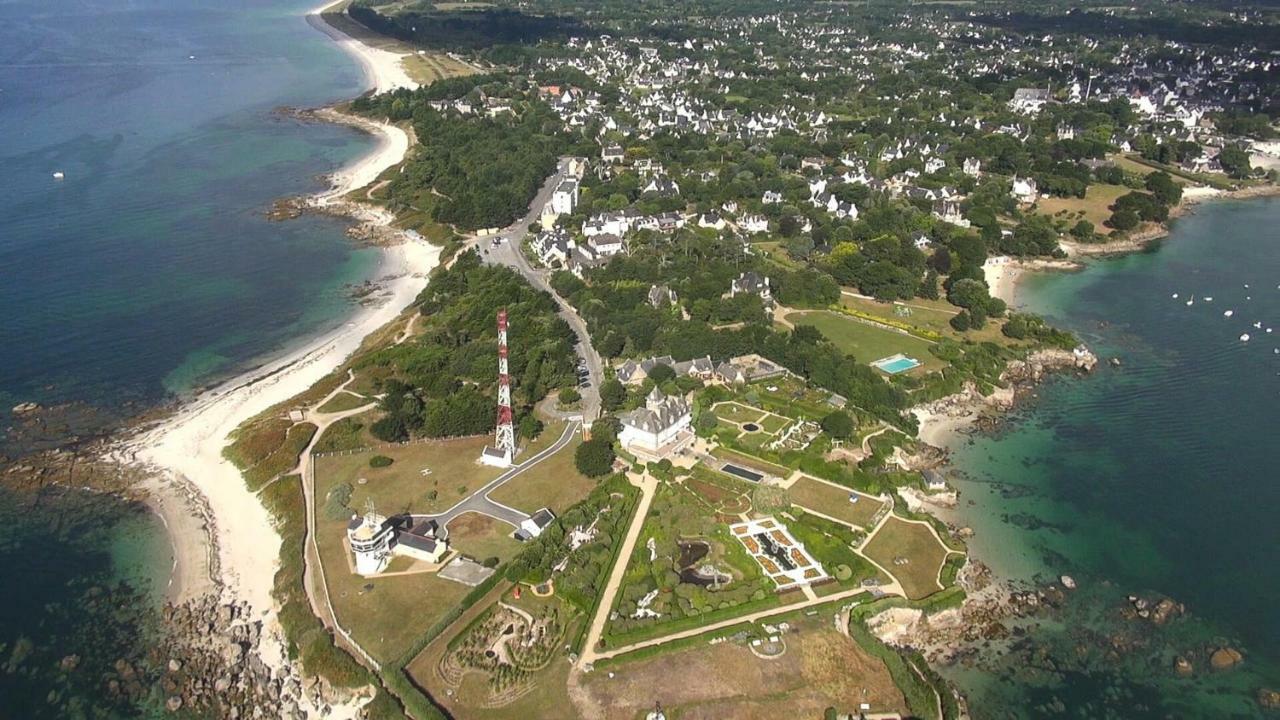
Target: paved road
480, 502
508, 252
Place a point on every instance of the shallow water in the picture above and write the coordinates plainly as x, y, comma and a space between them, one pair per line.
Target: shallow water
148, 271
1158, 476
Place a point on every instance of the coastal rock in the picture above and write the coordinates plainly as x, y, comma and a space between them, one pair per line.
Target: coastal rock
26, 407
1183, 666
1269, 698
1225, 658
1068, 582
1165, 610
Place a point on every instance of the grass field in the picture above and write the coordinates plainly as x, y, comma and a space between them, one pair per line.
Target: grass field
480, 537
344, 401
425, 67
866, 342
1095, 206
553, 483
750, 462
899, 538
402, 487
833, 501
386, 614
820, 668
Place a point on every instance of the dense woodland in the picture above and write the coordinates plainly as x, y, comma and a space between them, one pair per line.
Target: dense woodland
440, 383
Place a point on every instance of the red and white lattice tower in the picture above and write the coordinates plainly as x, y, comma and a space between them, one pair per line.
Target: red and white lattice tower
504, 444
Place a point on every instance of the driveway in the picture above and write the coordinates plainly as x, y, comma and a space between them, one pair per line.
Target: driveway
480, 502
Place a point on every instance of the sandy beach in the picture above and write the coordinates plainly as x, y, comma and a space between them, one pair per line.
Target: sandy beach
382, 68
201, 496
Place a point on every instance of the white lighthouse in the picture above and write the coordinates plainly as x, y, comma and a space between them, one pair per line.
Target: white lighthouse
370, 540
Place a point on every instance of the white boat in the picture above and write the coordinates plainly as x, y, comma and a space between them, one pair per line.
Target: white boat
1244, 337
57, 175
1208, 299
1229, 313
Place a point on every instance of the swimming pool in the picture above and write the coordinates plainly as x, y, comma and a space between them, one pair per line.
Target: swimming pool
896, 364
745, 474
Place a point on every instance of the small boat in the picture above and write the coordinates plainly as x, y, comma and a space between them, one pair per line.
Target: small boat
1228, 313
1258, 325
1191, 301
57, 175
1175, 296
1208, 299
1244, 337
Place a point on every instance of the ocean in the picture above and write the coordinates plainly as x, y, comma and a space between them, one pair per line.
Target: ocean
147, 272
1154, 478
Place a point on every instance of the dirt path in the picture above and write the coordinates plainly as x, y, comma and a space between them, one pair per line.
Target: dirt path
648, 488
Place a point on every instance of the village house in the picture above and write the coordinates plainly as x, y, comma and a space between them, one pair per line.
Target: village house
751, 282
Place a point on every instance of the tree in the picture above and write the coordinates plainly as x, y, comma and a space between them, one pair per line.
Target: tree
529, 427
960, 322
662, 373
1164, 188
1083, 230
612, 394
838, 424
1235, 162
1123, 220
569, 396
594, 457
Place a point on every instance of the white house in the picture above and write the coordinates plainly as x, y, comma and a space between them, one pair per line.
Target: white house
565, 197
972, 167
1029, 100
532, 526
658, 429
1024, 190
754, 223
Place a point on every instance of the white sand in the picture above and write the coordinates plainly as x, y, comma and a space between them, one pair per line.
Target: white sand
382, 68
189, 444
1002, 280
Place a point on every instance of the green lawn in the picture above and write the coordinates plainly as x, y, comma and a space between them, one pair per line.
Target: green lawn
1095, 206
866, 342
899, 538
833, 501
553, 483
344, 401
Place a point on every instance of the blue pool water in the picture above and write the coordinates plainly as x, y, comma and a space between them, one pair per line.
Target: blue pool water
897, 365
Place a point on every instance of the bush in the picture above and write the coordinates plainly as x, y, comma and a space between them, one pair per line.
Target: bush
491, 561
960, 322
569, 396
380, 461
336, 502
594, 457
838, 424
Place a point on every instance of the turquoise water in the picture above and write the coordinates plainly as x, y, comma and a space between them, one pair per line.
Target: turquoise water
149, 271
894, 367
1155, 477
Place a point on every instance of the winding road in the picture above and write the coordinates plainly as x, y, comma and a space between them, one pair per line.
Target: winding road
509, 252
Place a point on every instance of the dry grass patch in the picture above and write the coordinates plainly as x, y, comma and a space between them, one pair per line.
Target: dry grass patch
833, 501
481, 536
820, 668
915, 542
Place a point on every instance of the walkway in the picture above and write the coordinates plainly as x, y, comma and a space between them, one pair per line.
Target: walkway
648, 488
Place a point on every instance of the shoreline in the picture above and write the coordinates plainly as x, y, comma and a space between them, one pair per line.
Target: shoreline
224, 540
1003, 279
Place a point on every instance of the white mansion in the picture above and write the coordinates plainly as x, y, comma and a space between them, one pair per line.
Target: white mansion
658, 429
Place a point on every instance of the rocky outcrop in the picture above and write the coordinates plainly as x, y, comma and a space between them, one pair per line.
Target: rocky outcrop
1269, 698
210, 664
1225, 658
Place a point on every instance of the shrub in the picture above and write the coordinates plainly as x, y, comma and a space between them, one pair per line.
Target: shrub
569, 396
336, 502
380, 461
594, 457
